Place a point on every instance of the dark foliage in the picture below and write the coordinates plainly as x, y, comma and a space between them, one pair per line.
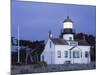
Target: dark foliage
91, 40
36, 48
14, 58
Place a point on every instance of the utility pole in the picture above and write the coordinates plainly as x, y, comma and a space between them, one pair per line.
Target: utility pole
18, 46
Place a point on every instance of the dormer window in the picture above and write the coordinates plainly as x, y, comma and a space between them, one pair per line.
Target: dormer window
73, 43
70, 38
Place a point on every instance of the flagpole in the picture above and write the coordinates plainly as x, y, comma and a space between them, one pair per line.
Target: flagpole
18, 47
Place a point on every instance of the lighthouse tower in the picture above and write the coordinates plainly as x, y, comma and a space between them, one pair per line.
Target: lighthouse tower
67, 32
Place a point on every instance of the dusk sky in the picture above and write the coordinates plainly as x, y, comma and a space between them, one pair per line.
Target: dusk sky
35, 19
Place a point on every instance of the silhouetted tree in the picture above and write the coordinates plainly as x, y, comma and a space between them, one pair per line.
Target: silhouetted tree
30, 51
92, 42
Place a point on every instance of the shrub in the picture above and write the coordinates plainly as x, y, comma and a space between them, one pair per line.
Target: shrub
24, 71
40, 64
44, 63
19, 63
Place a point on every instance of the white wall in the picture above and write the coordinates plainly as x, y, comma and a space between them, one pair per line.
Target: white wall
73, 60
62, 48
84, 59
48, 53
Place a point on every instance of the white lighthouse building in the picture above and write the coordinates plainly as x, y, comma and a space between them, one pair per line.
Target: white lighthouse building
64, 49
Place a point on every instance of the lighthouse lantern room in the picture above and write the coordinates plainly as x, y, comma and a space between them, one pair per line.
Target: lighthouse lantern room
68, 29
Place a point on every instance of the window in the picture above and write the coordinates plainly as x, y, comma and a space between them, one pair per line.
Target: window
75, 54
59, 54
42, 58
50, 44
73, 43
70, 38
86, 54
81, 54
66, 54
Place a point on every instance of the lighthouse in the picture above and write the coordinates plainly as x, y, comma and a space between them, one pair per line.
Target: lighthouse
67, 32
64, 49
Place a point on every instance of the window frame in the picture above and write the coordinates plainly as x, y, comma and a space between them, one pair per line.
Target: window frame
59, 54
42, 57
70, 38
86, 54
76, 54
66, 54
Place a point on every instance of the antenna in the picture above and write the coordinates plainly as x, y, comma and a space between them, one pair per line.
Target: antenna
68, 11
18, 46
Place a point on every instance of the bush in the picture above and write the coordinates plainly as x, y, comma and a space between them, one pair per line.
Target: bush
44, 63
24, 71
40, 64
19, 63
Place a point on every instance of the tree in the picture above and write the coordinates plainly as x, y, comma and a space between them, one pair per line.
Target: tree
33, 49
92, 42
